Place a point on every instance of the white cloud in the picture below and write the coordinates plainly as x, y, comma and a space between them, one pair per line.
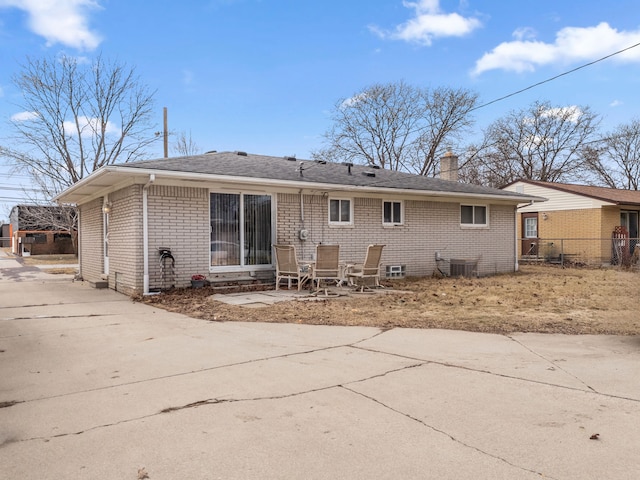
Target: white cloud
572, 44
60, 21
24, 116
615, 103
571, 113
524, 33
351, 101
428, 23
88, 126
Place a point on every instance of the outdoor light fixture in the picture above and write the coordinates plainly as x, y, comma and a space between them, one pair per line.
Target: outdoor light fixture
544, 215
106, 208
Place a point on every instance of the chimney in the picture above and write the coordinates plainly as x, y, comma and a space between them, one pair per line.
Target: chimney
449, 167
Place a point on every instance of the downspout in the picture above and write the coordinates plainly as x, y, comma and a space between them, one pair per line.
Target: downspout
145, 233
515, 239
78, 244
106, 211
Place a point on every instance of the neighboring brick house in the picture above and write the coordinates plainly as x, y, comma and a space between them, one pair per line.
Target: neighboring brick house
220, 213
42, 230
583, 217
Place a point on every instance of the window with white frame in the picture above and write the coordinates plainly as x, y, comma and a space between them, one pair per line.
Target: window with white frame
392, 213
340, 211
241, 229
531, 227
473, 215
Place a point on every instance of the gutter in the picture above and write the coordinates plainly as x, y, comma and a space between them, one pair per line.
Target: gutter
145, 233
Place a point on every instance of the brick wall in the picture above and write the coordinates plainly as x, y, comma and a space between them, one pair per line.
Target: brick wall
583, 223
179, 220
585, 233
90, 243
428, 227
125, 240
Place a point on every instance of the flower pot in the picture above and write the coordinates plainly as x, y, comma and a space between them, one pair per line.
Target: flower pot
197, 283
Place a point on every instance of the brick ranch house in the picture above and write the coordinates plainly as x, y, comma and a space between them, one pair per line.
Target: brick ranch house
584, 217
219, 214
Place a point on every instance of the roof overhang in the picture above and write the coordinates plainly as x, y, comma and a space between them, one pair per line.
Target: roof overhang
112, 178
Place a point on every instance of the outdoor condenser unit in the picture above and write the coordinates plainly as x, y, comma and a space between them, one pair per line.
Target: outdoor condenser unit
463, 268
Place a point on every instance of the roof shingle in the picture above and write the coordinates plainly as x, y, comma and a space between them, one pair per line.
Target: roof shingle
308, 171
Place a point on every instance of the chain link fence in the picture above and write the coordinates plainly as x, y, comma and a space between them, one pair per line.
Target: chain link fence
622, 252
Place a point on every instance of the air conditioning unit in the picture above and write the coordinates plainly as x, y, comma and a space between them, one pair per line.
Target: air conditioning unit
395, 271
463, 268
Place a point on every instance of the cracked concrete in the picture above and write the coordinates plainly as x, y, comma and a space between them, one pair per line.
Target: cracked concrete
96, 386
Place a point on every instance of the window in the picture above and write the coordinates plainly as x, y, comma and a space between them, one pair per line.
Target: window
531, 227
392, 213
240, 229
37, 237
473, 215
340, 211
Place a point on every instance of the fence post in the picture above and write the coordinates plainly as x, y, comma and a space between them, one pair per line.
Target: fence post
562, 252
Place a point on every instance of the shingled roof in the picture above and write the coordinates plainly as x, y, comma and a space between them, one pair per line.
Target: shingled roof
612, 195
291, 169
278, 172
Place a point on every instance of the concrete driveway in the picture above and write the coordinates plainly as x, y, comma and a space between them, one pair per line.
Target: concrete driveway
94, 386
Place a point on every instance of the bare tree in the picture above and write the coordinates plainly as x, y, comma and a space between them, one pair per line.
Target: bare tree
615, 161
185, 145
540, 142
398, 126
77, 118
49, 217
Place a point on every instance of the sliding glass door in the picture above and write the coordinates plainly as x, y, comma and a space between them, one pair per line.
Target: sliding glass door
240, 229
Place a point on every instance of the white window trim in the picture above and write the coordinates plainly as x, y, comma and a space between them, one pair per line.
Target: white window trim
393, 224
526, 222
474, 225
340, 223
242, 267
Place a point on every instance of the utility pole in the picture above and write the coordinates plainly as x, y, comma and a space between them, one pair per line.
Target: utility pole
166, 134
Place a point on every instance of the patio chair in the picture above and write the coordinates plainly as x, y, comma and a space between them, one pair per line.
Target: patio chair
287, 266
326, 267
370, 269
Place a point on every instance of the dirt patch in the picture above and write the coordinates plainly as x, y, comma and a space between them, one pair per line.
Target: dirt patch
48, 259
536, 299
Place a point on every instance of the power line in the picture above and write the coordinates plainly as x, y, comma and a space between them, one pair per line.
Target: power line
14, 175
20, 189
553, 78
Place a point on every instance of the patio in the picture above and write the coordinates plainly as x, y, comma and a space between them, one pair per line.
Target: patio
269, 297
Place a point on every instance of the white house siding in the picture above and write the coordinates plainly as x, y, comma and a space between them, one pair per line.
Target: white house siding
428, 227
556, 199
90, 243
179, 220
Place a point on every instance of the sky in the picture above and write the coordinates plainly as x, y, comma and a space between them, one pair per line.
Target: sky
263, 75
